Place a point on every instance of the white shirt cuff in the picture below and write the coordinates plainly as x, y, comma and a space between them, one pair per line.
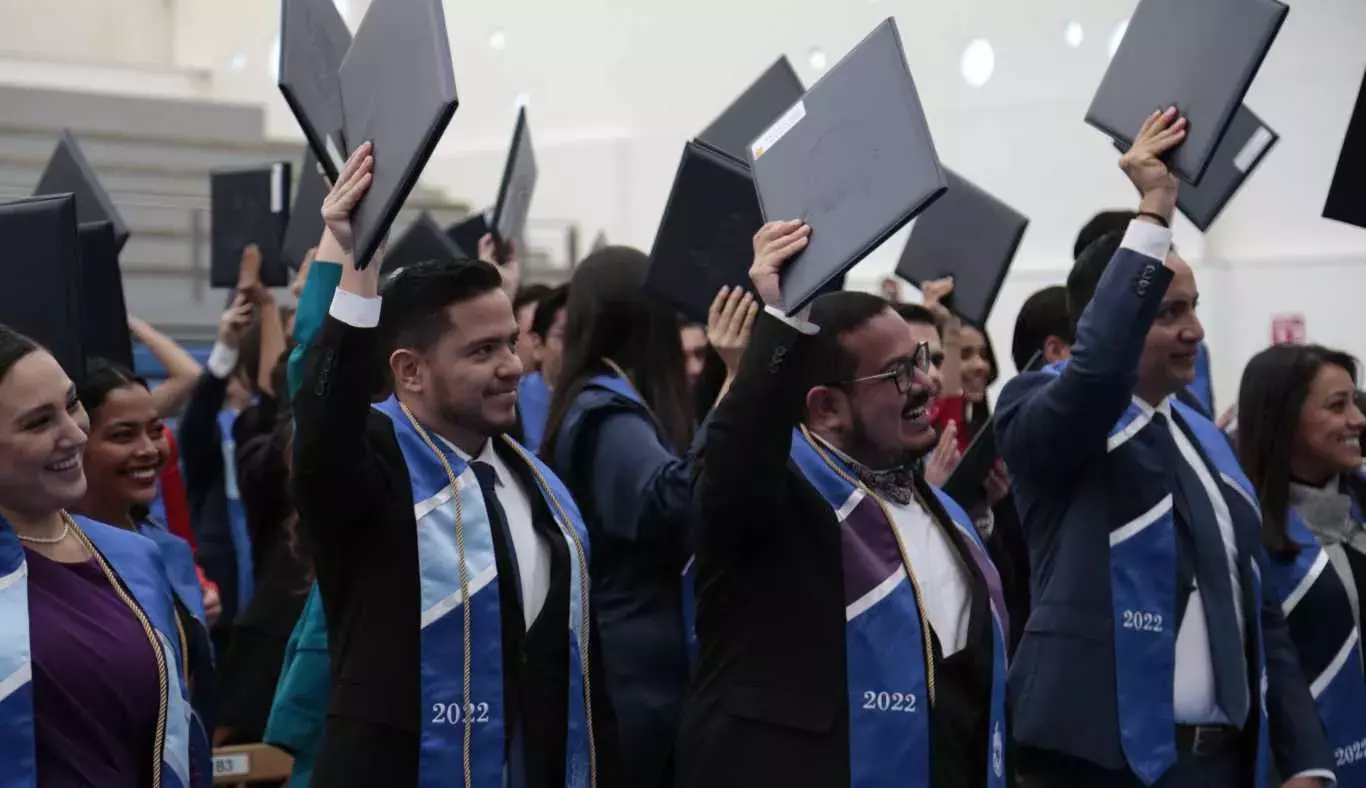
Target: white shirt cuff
1322, 774
797, 321
355, 311
222, 360
1148, 239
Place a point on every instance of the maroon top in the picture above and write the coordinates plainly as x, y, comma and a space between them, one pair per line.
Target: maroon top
96, 693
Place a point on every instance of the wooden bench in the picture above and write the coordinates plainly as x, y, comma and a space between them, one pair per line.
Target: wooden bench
250, 763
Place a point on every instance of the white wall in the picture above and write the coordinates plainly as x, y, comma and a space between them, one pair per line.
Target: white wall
123, 32
616, 87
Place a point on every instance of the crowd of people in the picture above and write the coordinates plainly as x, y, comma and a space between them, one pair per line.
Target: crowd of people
440, 528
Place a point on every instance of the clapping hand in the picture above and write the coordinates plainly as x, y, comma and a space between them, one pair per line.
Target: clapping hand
944, 459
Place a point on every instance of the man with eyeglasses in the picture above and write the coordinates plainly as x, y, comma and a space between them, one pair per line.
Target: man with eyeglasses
850, 622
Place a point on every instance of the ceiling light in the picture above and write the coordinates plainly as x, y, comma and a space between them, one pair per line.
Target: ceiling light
1074, 35
816, 58
522, 100
1118, 36
498, 40
979, 61
238, 63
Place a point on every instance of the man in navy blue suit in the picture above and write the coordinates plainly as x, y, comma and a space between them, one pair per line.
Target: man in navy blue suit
1151, 657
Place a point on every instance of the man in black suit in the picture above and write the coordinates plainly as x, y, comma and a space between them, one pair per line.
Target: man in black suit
452, 565
849, 622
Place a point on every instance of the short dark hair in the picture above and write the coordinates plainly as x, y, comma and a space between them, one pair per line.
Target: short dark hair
529, 294
546, 309
1087, 271
837, 314
416, 297
1043, 315
102, 377
916, 313
14, 346
1102, 223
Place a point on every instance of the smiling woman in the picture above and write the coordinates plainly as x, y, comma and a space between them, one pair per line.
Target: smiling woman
90, 678
127, 449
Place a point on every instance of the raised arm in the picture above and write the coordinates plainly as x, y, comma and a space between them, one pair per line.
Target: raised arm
198, 438
181, 369
749, 434
334, 467
1048, 426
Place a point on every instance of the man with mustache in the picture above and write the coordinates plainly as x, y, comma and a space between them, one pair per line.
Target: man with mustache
850, 623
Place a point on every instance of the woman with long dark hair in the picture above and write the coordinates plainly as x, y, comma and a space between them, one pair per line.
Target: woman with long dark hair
619, 435
1299, 438
90, 655
123, 460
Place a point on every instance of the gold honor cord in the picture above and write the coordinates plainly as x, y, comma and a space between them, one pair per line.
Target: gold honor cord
467, 701
901, 547
163, 709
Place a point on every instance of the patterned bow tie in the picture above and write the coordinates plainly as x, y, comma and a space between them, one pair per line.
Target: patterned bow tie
896, 485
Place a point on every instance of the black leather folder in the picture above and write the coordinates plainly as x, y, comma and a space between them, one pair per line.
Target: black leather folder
423, 240
967, 234
104, 313
754, 110
705, 240
517, 187
313, 42
853, 159
42, 297
398, 92
249, 207
69, 172
1347, 193
1197, 55
1246, 142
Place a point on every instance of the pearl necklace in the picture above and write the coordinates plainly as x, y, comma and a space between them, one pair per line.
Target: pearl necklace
58, 539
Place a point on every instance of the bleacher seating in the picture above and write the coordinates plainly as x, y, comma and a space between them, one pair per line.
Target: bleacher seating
154, 156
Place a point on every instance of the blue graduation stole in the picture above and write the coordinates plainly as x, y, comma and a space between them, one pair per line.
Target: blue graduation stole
533, 408
237, 514
132, 562
1325, 633
1143, 591
180, 567
886, 645
453, 722
623, 388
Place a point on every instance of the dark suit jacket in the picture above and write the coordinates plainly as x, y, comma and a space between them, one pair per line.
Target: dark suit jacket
769, 700
355, 502
1052, 433
201, 451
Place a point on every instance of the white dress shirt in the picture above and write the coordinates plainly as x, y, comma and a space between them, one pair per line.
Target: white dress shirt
1193, 697
533, 554
943, 580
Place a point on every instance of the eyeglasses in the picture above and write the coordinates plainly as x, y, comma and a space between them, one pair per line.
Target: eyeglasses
902, 374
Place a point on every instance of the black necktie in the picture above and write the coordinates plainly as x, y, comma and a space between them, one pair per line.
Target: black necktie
515, 746
498, 520
1213, 579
